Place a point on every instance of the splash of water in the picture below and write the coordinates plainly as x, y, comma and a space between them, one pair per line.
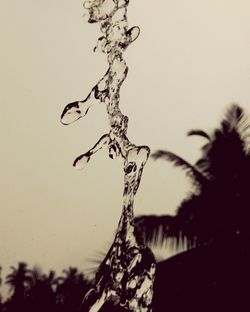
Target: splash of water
126, 275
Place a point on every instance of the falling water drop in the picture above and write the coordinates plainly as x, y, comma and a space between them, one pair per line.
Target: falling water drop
81, 161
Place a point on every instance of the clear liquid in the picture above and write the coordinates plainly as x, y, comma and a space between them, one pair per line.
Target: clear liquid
126, 275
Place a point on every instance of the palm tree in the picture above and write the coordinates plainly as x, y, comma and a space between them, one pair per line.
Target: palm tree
41, 295
51, 279
218, 207
19, 280
71, 289
1, 305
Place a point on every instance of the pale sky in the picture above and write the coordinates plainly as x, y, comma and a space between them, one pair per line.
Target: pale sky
190, 62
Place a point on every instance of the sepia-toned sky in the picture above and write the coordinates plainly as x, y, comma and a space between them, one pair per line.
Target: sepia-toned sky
190, 62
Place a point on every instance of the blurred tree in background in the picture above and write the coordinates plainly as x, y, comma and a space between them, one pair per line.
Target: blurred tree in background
217, 209
32, 290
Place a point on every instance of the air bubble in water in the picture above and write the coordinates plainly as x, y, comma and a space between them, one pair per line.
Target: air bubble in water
87, 4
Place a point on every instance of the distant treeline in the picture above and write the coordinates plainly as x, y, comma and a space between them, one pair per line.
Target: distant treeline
31, 290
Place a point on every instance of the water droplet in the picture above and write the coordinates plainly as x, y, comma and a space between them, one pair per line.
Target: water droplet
81, 161
133, 33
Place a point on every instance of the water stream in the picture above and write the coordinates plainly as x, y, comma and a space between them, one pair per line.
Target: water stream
126, 275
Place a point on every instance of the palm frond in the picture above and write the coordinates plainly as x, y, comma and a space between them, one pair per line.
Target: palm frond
196, 176
234, 114
158, 229
200, 133
235, 119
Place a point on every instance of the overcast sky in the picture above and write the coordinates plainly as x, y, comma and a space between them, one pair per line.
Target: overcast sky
189, 63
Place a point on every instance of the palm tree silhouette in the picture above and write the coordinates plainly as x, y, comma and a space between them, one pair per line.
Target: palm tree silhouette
19, 280
1, 305
51, 280
71, 289
217, 209
41, 295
